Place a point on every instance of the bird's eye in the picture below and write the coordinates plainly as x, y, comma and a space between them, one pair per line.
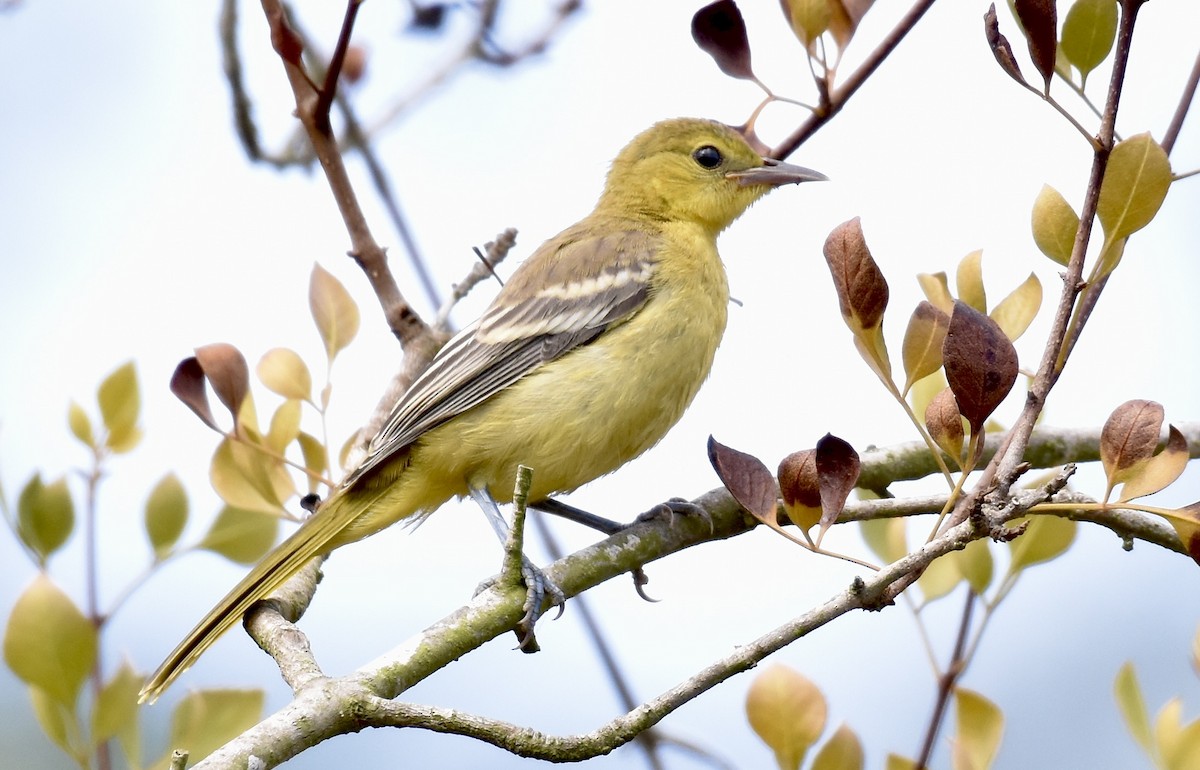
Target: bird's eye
708, 156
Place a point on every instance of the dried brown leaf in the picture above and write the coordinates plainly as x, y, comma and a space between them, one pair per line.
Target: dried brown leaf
746, 478
980, 363
944, 423
861, 288
227, 373
837, 471
1129, 438
1040, 20
187, 383
720, 32
1000, 47
846, 15
800, 488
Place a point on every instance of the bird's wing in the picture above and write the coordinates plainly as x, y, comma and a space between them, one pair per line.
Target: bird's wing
568, 292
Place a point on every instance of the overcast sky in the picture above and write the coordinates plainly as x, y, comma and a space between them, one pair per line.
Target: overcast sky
131, 227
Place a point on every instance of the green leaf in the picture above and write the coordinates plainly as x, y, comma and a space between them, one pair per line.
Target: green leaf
1054, 225
166, 514
120, 402
283, 371
787, 711
240, 535
1046, 538
1128, 693
333, 310
208, 719
316, 459
980, 727
808, 19
45, 516
1088, 33
1135, 185
48, 643
80, 425
115, 713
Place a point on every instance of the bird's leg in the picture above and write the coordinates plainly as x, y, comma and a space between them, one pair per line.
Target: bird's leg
538, 585
676, 506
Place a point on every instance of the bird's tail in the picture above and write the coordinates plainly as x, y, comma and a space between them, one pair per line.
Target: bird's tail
311, 539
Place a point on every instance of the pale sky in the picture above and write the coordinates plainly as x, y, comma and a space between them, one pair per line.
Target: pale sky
132, 227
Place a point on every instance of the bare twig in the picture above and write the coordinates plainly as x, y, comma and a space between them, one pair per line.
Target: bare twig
841, 95
1185, 104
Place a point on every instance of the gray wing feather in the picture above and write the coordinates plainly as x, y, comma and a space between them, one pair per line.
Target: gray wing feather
524, 328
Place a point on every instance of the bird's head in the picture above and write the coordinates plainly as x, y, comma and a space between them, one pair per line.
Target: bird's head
694, 170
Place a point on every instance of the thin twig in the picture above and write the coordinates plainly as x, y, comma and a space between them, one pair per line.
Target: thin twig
1185, 103
839, 97
947, 682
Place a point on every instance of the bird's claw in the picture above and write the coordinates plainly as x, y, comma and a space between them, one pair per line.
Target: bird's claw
538, 589
678, 506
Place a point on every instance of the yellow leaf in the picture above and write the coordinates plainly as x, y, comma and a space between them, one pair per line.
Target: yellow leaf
333, 310
897, 762
1016, 311
1054, 225
980, 727
48, 643
45, 516
937, 291
241, 536
969, 279
284, 372
1132, 705
885, 537
208, 719
809, 19
1046, 538
787, 711
1168, 729
939, 578
975, 565
285, 426
872, 347
1135, 184
922, 349
1161, 470
59, 723
843, 751
241, 476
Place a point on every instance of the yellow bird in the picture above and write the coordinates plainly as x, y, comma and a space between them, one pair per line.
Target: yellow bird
588, 355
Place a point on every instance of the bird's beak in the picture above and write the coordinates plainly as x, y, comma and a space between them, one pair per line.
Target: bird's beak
774, 173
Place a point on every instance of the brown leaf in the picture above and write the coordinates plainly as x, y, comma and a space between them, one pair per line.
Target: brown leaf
800, 488
720, 32
227, 372
1129, 438
187, 383
746, 478
923, 340
980, 362
944, 422
837, 469
1040, 20
1000, 47
861, 288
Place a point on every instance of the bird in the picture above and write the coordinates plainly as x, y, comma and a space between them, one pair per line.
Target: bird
586, 357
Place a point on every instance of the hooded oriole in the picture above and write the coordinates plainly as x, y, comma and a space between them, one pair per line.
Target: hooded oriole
587, 356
